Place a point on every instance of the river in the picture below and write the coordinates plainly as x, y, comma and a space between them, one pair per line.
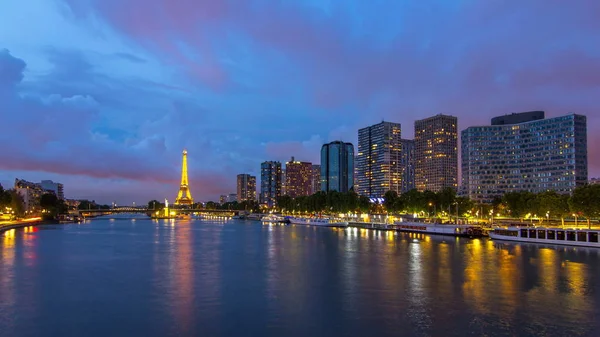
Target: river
139, 277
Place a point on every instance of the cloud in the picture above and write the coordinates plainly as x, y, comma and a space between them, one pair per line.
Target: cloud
241, 82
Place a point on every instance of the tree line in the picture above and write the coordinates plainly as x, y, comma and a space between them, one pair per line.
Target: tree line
584, 202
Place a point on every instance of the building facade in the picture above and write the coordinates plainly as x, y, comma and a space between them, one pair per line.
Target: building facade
270, 182
407, 163
31, 194
231, 197
436, 153
536, 155
298, 178
316, 179
378, 161
56, 188
337, 167
246, 188
222, 199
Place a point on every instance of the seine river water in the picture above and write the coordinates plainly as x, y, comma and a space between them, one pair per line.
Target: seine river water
233, 278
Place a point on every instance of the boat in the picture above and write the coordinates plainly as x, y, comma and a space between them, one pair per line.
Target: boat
254, 216
272, 218
323, 222
557, 236
440, 229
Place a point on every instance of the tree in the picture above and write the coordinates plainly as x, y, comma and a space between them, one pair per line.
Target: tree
553, 204
446, 198
390, 201
86, 204
155, 205
519, 204
16, 203
585, 201
413, 201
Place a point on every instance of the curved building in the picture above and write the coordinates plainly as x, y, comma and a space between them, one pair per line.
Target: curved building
535, 155
337, 167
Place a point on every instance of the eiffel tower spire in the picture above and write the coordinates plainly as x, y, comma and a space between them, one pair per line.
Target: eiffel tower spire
184, 197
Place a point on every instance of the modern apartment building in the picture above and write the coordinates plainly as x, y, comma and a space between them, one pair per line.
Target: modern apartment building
378, 161
407, 164
533, 155
298, 178
337, 166
316, 179
56, 188
436, 153
246, 188
31, 194
270, 182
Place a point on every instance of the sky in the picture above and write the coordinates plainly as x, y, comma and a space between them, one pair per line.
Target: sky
103, 95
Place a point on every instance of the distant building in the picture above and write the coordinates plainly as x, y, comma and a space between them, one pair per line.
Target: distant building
222, 199
518, 118
270, 182
436, 153
298, 178
535, 155
232, 197
316, 179
57, 188
337, 166
246, 188
378, 162
407, 164
31, 194
595, 181
283, 181
72, 203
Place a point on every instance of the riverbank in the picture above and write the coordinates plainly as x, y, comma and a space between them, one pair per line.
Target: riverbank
4, 226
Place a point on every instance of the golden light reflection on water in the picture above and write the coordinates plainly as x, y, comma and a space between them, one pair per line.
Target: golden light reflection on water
7, 286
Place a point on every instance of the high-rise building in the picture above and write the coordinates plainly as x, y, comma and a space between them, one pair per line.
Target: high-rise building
270, 182
436, 153
378, 161
337, 166
316, 179
298, 178
56, 188
533, 155
283, 182
246, 188
31, 194
222, 199
407, 163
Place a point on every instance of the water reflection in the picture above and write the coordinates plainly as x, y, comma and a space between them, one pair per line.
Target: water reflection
243, 278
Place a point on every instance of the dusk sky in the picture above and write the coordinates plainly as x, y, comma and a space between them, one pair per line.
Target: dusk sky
103, 95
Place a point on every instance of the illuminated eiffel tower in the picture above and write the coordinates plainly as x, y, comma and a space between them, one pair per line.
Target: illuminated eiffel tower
184, 197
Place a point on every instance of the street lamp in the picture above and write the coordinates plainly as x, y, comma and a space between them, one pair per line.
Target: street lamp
575, 215
548, 217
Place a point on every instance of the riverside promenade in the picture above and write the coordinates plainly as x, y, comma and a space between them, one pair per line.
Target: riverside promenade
6, 225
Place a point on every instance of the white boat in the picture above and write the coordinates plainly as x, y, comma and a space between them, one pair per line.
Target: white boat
440, 229
557, 236
272, 218
323, 222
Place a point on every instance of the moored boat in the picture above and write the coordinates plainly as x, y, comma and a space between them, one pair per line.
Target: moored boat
322, 222
272, 218
440, 229
558, 236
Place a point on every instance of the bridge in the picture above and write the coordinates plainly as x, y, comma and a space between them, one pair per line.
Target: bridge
151, 211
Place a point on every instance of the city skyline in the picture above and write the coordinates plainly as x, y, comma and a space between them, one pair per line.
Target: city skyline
109, 118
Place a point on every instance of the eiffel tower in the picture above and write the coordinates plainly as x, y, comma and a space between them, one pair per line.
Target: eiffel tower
184, 197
